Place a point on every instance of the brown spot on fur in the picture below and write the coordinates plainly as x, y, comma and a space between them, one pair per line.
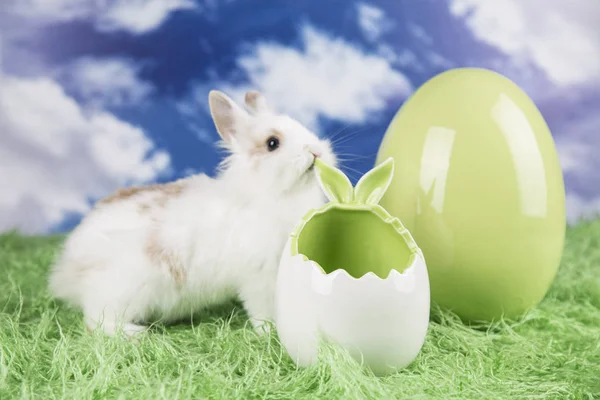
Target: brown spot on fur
162, 201
161, 256
143, 208
171, 189
277, 134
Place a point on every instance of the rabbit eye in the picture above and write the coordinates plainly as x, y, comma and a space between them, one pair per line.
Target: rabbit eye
272, 143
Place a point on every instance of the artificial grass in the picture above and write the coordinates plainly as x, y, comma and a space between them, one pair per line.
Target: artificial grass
553, 352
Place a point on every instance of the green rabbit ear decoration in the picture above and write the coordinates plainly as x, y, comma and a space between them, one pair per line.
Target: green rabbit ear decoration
334, 183
369, 189
372, 186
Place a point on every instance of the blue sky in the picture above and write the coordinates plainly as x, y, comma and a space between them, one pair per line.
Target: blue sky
98, 95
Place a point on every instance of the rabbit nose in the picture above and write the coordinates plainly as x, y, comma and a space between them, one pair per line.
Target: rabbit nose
314, 152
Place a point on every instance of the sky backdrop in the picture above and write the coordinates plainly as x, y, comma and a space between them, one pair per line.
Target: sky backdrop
100, 94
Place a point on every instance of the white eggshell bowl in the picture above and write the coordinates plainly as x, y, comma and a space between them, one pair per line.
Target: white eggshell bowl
352, 274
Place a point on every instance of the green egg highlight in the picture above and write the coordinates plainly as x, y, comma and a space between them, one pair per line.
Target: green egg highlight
478, 184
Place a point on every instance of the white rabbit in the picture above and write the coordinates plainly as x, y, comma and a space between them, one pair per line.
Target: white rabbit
162, 252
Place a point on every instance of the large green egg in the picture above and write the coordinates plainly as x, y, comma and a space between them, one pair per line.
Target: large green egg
479, 185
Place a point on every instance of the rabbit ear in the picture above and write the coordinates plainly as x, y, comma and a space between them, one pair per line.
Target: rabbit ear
256, 102
226, 114
372, 186
334, 183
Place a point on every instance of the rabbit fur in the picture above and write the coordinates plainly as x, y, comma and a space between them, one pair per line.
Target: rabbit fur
166, 251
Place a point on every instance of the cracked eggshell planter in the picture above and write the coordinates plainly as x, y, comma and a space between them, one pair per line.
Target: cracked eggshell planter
353, 275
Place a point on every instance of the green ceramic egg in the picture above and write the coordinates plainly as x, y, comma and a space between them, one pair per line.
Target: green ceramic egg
479, 185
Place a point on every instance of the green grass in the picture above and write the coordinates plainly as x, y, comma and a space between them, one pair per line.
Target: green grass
553, 352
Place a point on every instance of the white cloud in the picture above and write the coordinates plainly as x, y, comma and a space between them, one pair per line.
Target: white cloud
194, 111
105, 82
52, 10
581, 209
407, 59
419, 33
1, 54
203, 134
55, 156
191, 171
437, 60
560, 37
372, 21
574, 155
577, 142
328, 77
139, 16
134, 16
